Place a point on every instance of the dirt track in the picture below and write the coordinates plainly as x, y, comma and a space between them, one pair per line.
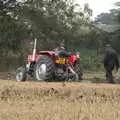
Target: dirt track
87, 75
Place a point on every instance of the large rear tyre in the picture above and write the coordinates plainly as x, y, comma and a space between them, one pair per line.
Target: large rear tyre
44, 69
21, 74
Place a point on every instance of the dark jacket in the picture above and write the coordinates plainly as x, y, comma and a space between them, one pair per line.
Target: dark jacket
111, 59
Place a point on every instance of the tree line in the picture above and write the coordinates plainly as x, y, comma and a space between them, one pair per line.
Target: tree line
50, 21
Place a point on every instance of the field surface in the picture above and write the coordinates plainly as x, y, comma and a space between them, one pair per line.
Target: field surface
59, 101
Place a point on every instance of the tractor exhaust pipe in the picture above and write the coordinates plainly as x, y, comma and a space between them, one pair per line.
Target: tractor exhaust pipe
34, 50
33, 55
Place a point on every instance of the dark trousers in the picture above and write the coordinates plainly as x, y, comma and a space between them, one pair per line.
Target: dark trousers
109, 76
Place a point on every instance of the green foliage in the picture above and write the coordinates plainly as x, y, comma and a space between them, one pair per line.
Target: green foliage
91, 60
108, 18
50, 21
112, 20
11, 30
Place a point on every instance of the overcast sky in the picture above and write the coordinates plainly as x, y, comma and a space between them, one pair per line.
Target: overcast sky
98, 6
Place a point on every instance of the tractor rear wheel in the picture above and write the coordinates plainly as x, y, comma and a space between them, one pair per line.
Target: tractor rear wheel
44, 69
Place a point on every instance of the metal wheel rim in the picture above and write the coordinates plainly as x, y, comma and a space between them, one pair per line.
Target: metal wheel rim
19, 76
41, 71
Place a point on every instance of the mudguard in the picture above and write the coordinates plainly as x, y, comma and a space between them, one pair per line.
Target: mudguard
50, 53
73, 59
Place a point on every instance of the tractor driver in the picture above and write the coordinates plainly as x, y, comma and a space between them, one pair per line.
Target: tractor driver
60, 49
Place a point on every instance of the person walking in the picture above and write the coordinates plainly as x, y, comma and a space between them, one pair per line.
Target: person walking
110, 61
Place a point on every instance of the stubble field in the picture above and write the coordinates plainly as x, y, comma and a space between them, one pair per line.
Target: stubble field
59, 101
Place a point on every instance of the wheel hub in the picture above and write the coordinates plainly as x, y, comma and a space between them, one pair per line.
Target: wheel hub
41, 71
19, 76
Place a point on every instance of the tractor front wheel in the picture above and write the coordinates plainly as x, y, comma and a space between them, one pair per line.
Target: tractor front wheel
21, 74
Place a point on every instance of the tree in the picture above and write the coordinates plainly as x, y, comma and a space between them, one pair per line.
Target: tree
11, 29
108, 18
53, 20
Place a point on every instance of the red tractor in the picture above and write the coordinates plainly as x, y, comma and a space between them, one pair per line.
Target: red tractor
51, 65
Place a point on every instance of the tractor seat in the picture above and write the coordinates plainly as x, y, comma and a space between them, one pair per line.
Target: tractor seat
64, 54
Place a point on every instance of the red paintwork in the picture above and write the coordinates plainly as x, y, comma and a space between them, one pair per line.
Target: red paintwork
50, 53
37, 57
72, 58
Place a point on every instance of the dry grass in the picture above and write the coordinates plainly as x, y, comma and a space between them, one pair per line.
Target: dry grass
58, 101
